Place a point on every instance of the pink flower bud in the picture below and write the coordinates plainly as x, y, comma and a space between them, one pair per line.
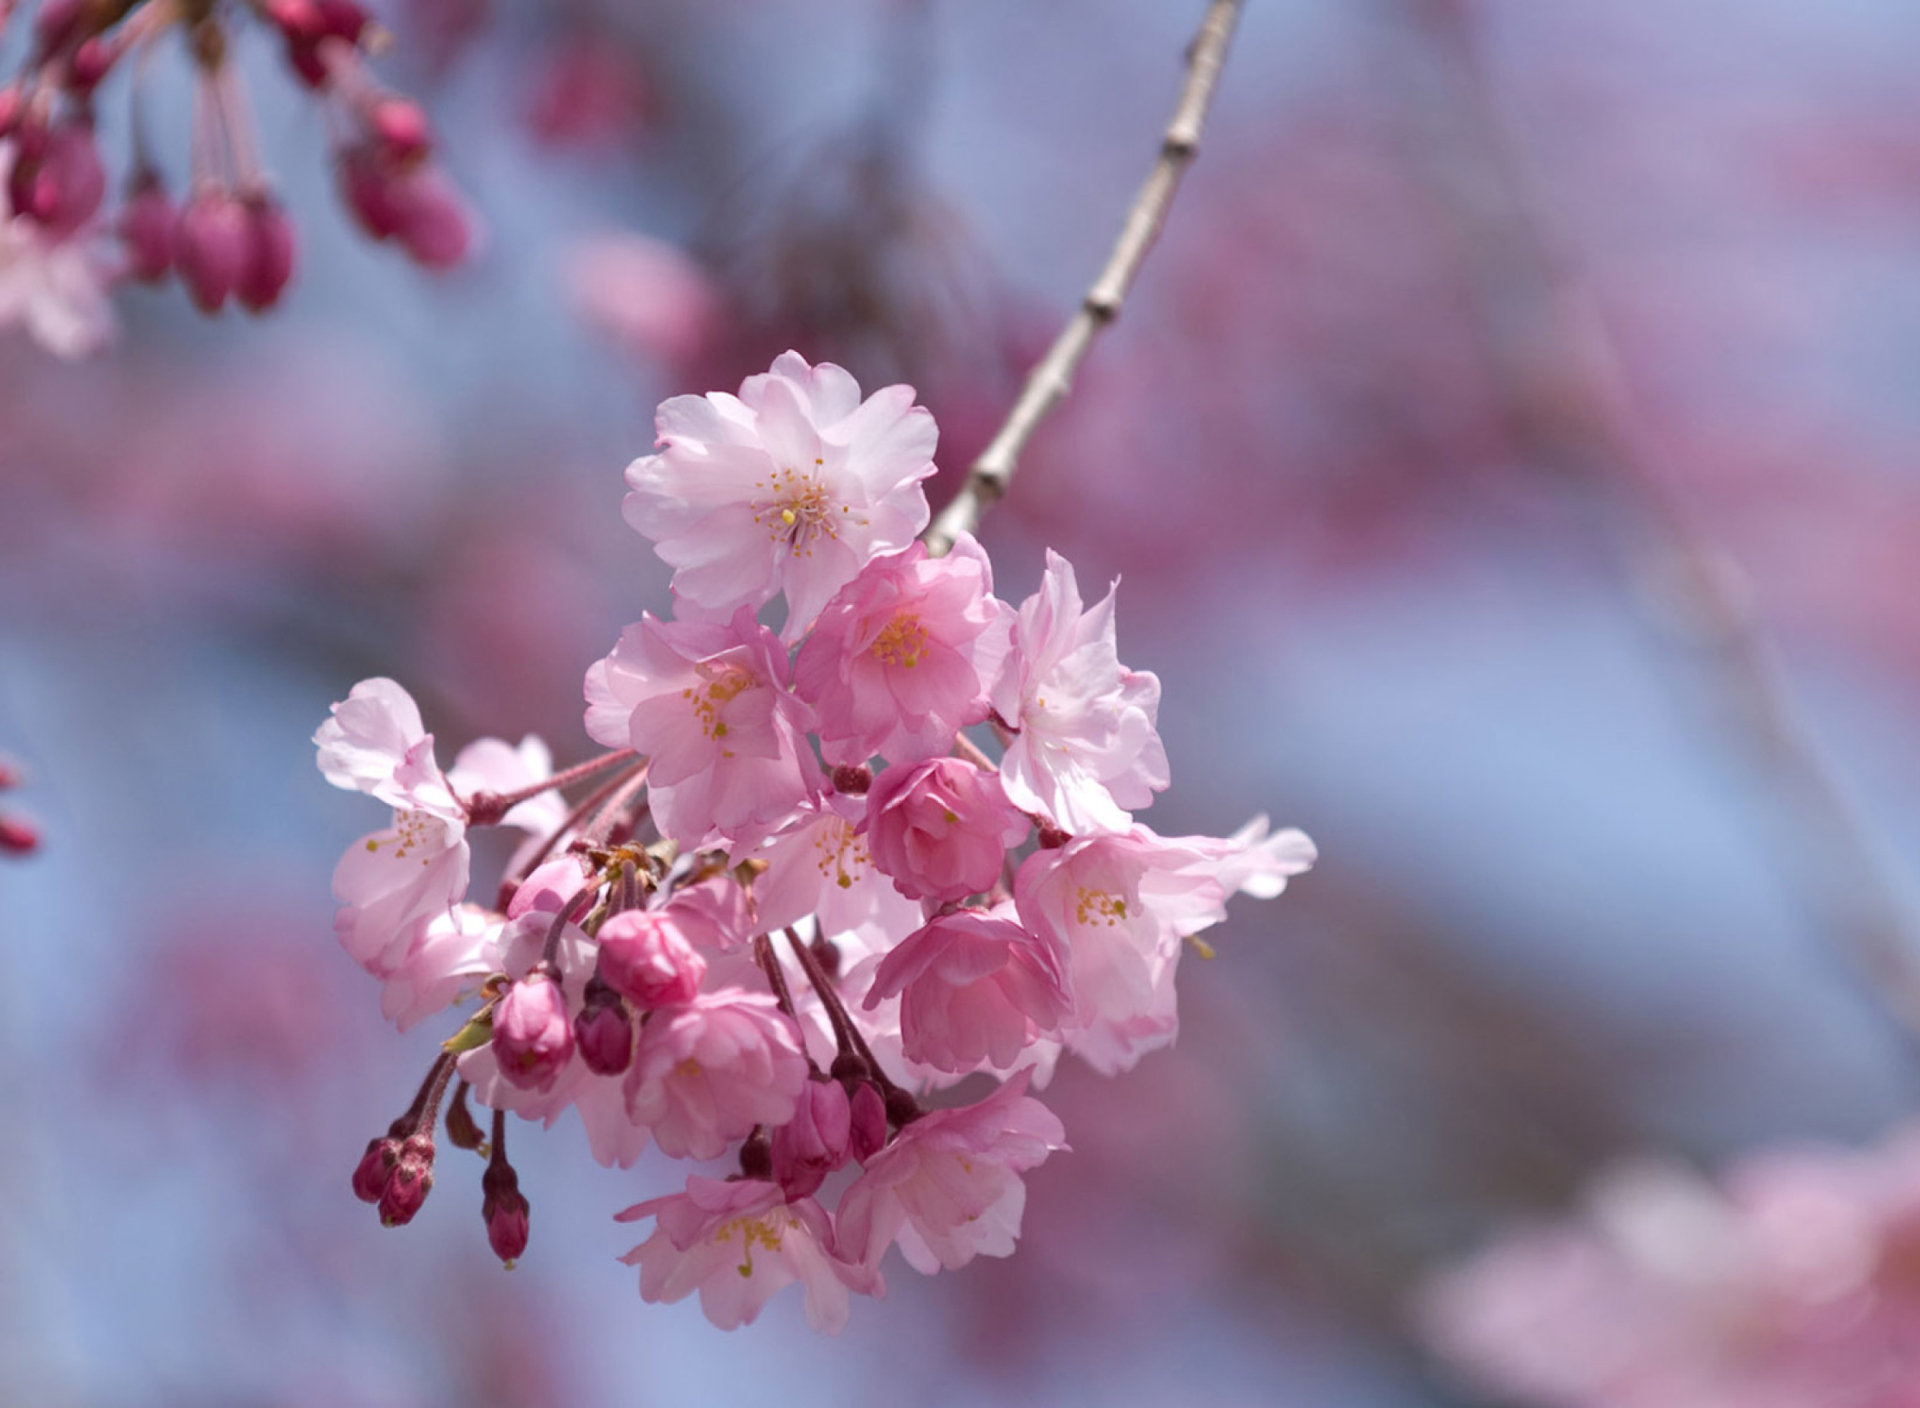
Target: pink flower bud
941, 829
303, 27
90, 63
506, 1211
344, 19
532, 1036
603, 1030
402, 131
60, 185
210, 247
147, 220
369, 192
409, 1183
434, 224
646, 959
375, 1167
867, 1121
18, 837
267, 260
816, 1141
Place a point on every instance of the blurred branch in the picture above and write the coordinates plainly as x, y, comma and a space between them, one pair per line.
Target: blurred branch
1568, 410
1052, 376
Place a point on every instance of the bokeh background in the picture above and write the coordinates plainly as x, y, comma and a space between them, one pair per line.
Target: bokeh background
1484, 333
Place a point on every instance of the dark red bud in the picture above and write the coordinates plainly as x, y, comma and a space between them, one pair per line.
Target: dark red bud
409, 1183
18, 837
267, 259
147, 221
867, 1131
852, 778
343, 19
603, 1030
90, 63
433, 221
901, 1107
375, 1167
1052, 838
210, 247
402, 131
369, 192
506, 1211
756, 1155
62, 183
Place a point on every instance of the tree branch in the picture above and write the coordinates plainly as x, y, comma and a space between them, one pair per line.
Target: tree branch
1052, 376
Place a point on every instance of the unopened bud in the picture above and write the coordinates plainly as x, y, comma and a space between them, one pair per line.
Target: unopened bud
267, 259
901, 1107
90, 63
603, 1030
867, 1121
147, 221
61, 183
532, 1034
210, 247
343, 19
506, 1211
402, 131
433, 221
852, 778
646, 958
756, 1155
816, 1141
1052, 838
17, 836
409, 1183
369, 192
375, 1167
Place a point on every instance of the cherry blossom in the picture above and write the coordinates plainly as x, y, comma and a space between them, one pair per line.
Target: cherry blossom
533, 1032
948, 1188
793, 485
740, 1243
822, 866
901, 658
647, 960
708, 1072
709, 704
1085, 751
941, 830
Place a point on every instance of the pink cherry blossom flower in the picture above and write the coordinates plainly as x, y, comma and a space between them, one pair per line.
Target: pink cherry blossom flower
533, 1032
52, 283
647, 960
715, 913
794, 484
974, 987
822, 866
1085, 750
942, 829
708, 1072
901, 658
948, 1188
1119, 906
447, 958
709, 705
738, 1244
816, 1141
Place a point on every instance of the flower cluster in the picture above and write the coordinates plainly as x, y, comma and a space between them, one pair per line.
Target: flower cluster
1792, 1282
230, 239
801, 904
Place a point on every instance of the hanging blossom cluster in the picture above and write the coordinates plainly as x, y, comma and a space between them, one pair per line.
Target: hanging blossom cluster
1792, 1282
801, 904
225, 236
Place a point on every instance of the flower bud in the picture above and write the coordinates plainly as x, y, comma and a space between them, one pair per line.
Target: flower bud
267, 257
756, 1155
375, 1167
409, 1182
603, 1030
433, 221
941, 829
57, 25
90, 63
853, 779
61, 183
401, 130
210, 247
647, 960
368, 191
532, 1035
816, 1141
506, 1211
867, 1121
18, 837
147, 220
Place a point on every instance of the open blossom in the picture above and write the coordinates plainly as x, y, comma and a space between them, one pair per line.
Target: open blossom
709, 1071
738, 1244
822, 865
794, 485
901, 658
948, 1188
974, 987
942, 829
447, 957
1119, 906
710, 707
1085, 751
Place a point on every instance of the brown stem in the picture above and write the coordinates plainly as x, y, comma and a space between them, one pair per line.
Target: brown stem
598, 796
1052, 376
487, 808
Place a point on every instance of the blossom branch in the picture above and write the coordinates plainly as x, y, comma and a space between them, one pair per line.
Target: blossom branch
1052, 376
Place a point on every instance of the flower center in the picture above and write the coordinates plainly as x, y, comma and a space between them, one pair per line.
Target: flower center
723, 684
763, 1230
836, 840
797, 509
901, 642
412, 832
1099, 907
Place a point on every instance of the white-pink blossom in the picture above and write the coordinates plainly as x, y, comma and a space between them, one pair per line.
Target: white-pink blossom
942, 829
52, 283
738, 1243
794, 485
707, 1072
447, 957
821, 865
1085, 750
1120, 905
974, 988
948, 1188
709, 705
902, 657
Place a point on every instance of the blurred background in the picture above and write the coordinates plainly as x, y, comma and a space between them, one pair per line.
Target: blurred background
1508, 374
